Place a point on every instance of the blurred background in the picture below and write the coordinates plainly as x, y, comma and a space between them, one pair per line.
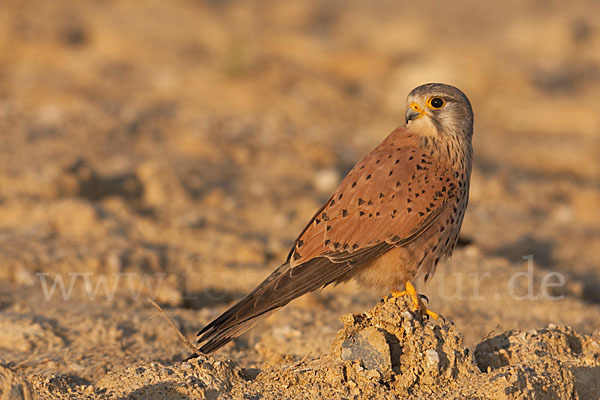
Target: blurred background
180, 147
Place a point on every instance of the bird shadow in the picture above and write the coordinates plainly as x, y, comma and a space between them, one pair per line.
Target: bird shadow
542, 251
590, 288
543, 256
211, 297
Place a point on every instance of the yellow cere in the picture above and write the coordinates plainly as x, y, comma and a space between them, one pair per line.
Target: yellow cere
417, 108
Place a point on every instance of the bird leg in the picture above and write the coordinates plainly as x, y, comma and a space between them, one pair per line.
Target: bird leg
416, 300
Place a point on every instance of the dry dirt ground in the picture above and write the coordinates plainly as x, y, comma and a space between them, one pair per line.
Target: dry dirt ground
175, 149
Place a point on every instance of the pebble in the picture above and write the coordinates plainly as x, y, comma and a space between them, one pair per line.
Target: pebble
432, 357
186, 366
24, 277
326, 180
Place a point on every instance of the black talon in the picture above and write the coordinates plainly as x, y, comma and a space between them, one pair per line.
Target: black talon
423, 297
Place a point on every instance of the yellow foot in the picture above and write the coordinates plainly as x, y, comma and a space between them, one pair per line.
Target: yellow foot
416, 300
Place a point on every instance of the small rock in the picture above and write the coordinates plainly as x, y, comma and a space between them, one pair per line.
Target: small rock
170, 295
114, 262
407, 315
186, 366
432, 357
24, 277
370, 347
326, 180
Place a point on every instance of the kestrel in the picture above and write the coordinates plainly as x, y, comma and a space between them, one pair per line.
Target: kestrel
392, 219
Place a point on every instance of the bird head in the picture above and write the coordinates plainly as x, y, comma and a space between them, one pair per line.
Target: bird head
436, 109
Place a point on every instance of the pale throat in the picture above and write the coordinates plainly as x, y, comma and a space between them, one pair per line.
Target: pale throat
450, 148
422, 126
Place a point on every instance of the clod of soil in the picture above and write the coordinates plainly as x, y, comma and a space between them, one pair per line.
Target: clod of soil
388, 352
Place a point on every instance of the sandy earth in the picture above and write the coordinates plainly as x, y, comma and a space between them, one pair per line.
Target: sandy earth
175, 150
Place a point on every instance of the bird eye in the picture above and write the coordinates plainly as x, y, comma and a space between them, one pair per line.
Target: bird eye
435, 102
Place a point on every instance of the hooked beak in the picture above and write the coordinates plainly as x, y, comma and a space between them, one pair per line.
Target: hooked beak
413, 112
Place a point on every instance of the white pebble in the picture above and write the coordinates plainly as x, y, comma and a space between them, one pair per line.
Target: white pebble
407, 315
186, 366
326, 180
433, 358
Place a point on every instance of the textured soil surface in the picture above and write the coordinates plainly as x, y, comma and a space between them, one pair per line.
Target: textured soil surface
174, 150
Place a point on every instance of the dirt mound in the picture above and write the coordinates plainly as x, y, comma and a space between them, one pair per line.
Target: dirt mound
385, 353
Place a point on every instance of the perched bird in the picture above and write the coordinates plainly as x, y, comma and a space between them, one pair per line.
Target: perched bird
393, 218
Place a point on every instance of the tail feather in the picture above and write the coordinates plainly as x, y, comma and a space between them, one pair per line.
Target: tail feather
281, 287
284, 285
